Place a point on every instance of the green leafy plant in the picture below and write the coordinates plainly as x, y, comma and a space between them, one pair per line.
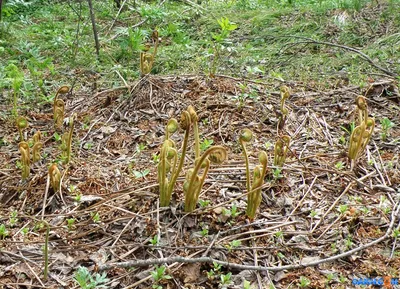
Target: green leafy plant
204, 230
225, 28
215, 271
253, 186
155, 158
233, 244
3, 231
343, 209
87, 281
17, 78
154, 240
233, 212
141, 174
204, 203
25, 159
386, 125
280, 151
205, 144
339, 165
95, 216
159, 274
246, 284
226, 279
71, 224
304, 282
140, 147
56, 136
13, 218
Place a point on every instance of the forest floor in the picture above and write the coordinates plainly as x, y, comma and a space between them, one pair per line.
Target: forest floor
321, 224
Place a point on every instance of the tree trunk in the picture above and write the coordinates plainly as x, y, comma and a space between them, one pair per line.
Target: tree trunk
1, 6
96, 37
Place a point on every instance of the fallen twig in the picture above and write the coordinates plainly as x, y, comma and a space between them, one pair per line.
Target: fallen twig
148, 262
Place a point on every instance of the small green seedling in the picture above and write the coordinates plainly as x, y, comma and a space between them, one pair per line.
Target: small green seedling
140, 147
386, 125
304, 282
343, 209
154, 240
95, 216
233, 212
158, 275
3, 231
204, 203
205, 144
141, 174
233, 245
71, 224
87, 281
339, 165
13, 218
226, 279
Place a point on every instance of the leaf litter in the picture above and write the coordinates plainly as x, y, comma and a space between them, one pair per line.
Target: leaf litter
110, 191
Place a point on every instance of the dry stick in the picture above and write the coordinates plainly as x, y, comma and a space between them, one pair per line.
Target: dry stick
96, 37
302, 199
211, 245
122, 231
338, 198
256, 264
159, 227
148, 262
362, 54
329, 227
34, 273
45, 195
116, 16
267, 230
135, 285
383, 167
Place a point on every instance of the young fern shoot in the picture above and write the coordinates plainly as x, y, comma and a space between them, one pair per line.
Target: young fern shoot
194, 182
362, 133
37, 146
254, 196
285, 94
169, 154
25, 159
253, 186
66, 142
147, 59
59, 107
22, 124
280, 150
55, 177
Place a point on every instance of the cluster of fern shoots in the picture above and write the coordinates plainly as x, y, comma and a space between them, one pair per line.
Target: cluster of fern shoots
66, 142
171, 164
